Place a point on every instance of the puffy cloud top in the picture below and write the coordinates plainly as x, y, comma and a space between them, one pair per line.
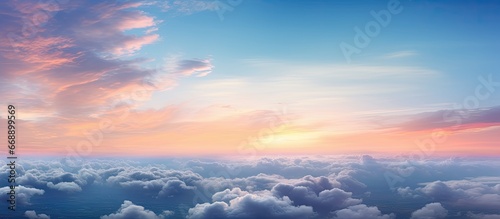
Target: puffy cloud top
23, 194
129, 210
34, 215
430, 211
362, 212
251, 206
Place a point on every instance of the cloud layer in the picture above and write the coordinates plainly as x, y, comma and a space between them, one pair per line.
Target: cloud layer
318, 187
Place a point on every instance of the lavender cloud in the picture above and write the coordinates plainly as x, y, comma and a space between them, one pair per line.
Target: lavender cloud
430, 211
362, 212
129, 210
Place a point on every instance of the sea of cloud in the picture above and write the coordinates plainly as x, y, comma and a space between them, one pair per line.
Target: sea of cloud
316, 187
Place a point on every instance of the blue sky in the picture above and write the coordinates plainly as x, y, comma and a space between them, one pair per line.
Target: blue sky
459, 39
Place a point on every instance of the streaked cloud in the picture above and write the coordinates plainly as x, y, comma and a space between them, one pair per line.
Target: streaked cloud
453, 120
187, 7
400, 54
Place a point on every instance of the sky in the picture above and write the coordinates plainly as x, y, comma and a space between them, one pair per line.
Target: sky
252, 77
244, 109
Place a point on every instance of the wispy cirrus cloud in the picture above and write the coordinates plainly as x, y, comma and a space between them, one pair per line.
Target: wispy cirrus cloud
400, 54
81, 63
187, 7
68, 53
81, 53
452, 120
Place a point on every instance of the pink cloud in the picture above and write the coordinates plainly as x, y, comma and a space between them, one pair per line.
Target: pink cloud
74, 64
136, 21
44, 52
133, 44
454, 120
74, 70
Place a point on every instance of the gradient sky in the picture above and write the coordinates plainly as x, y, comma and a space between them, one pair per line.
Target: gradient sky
260, 77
